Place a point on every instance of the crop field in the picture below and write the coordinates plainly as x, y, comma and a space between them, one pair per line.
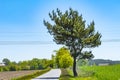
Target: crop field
14, 74
111, 72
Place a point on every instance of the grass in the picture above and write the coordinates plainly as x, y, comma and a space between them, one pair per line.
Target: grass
65, 75
68, 75
30, 76
111, 72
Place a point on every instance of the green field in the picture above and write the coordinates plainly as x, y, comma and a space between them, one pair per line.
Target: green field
111, 72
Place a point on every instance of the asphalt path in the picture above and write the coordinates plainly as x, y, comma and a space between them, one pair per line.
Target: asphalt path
53, 74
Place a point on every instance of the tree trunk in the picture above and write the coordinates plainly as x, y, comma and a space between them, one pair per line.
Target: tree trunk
74, 68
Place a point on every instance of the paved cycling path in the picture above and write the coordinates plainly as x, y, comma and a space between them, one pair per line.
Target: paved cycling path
53, 74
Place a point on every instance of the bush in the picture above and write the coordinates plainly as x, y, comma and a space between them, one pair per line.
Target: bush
5, 68
14, 68
1, 68
25, 67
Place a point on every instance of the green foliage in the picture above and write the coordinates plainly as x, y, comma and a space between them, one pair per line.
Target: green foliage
1, 68
86, 55
6, 61
63, 58
53, 61
66, 61
34, 64
70, 29
66, 74
82, 62
24, 65
6, 68
14, 68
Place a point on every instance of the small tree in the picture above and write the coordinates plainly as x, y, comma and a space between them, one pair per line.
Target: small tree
69, 29
66, 61
6, 61
53, 61
63, 58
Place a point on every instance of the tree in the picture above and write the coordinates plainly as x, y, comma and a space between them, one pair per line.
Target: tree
70, 29
24, 65
34, 64
63, 58
66, 61
53, 61
6, 61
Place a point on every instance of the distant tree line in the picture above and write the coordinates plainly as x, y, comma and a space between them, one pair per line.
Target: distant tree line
62, 59
102, 61
34, 64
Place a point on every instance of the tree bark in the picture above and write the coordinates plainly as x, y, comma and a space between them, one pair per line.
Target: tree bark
74, 68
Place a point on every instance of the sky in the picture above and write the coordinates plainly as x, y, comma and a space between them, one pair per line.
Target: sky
23, 35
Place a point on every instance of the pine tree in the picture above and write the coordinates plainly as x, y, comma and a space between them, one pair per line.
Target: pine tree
70, 29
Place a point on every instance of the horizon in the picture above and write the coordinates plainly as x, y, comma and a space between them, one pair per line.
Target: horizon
23, 35
49, 59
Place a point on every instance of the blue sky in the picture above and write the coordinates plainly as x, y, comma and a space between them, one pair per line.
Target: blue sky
22, 20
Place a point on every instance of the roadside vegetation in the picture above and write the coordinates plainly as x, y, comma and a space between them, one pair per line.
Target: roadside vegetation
63, 58
110, 72
65, 75
33, 75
